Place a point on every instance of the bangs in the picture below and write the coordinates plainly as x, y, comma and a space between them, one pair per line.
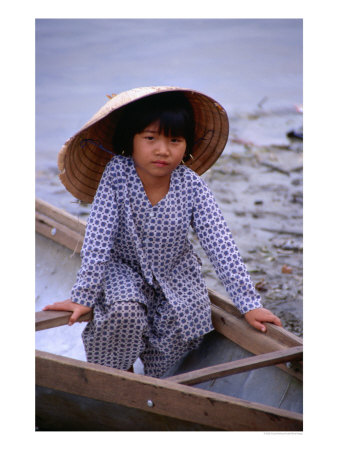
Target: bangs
171, 124
171, 109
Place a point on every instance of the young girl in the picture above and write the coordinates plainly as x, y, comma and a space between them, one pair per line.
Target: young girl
139, 273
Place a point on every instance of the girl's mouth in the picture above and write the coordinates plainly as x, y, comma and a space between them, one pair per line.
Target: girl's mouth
160, 163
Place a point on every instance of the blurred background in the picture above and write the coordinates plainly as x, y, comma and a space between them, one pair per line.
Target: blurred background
243, 64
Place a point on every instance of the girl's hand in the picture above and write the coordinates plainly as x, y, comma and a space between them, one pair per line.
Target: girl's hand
256, 317
68, 305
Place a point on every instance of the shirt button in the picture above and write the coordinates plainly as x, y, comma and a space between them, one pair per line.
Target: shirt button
151, 214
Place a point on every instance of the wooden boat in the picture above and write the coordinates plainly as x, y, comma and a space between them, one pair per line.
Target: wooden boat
238, 380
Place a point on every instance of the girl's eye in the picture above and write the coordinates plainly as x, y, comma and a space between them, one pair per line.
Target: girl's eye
176, 140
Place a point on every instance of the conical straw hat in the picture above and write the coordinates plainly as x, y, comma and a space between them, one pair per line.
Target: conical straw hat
83, 157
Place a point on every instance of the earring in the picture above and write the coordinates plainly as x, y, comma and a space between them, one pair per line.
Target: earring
122, 153
191, 157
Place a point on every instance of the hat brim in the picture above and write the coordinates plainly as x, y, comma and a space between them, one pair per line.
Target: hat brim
82, 159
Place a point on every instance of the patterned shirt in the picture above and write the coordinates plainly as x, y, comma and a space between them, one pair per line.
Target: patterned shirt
130, 245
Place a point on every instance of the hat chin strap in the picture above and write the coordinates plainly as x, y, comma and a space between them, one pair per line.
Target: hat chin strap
97, 144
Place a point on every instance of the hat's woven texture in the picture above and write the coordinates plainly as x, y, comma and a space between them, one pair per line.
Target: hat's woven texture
83, 157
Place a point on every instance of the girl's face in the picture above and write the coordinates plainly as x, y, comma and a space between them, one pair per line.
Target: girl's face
156, 155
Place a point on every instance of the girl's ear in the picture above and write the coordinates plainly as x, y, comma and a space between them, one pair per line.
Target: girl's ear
187, 156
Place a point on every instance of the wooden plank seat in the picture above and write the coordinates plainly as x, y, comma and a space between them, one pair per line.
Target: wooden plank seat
242, 365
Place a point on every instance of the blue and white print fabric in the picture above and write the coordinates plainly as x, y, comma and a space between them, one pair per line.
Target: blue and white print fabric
117, 336
130, 245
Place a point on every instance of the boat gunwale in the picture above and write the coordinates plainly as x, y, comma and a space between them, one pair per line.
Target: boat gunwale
166, 397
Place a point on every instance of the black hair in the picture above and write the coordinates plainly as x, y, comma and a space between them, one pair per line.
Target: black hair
173, 111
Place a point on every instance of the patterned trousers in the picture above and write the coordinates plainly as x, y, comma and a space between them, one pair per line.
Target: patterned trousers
127, 331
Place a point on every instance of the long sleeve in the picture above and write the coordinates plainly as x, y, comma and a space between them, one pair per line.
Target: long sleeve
216, 240
98, 241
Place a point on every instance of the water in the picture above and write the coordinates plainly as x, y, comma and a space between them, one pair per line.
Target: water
237, 62
252, 67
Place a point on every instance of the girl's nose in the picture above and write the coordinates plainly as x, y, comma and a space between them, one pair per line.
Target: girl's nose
162, 147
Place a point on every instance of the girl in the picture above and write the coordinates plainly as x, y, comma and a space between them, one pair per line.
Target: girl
139, 273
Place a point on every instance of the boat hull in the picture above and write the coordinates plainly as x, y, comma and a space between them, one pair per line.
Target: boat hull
73, 395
